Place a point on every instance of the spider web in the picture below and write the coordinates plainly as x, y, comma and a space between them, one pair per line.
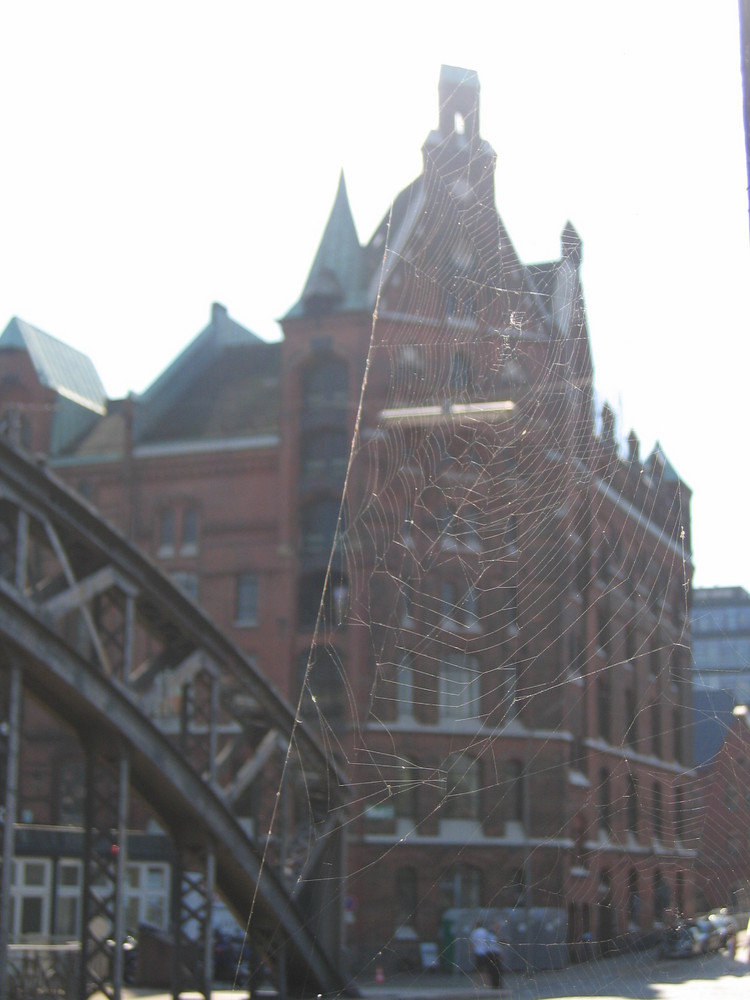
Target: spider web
502, 652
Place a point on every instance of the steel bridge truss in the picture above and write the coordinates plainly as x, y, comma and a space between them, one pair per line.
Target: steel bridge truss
167, 707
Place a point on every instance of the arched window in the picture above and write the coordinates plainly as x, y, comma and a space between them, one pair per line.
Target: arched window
662, 895
462, 887
405, 892
680, 891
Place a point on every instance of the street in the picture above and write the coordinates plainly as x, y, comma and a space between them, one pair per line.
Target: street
640, 976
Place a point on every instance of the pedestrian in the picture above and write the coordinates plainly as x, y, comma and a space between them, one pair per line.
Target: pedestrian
483, 951
496, 955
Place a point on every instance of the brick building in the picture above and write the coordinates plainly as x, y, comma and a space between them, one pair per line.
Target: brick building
723, 863
490, 631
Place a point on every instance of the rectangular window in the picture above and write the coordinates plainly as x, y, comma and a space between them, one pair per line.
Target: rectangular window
656, 727
246, 612
405, 688
462, 787
508, 691
32, 883
459, 688
67, 910
147, 895
471, 609
189, 544
654, 657
460, 528
516, 792
407, 602
405, 893
448, 609
165, 542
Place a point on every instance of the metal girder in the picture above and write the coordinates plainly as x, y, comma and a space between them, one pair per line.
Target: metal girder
105, 855
10, 720
193, 886
109, 643
249, 771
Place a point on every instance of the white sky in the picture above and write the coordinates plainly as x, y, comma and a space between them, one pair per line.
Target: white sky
160, 156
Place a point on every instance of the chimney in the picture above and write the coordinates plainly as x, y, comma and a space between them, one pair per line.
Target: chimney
218, 314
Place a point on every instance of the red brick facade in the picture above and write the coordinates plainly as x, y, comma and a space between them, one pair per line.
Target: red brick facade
500, 660
723, 866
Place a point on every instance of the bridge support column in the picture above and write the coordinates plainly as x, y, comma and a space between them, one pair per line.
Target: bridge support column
105, 859
193, 888
11, 730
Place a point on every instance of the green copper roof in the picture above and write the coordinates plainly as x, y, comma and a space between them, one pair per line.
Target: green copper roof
58, 366
336, 280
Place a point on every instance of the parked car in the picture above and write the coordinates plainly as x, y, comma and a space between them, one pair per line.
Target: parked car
682, 941
231, 957
709, 934
725, 925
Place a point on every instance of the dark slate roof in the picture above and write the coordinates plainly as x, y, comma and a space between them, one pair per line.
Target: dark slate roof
234, 394
336, 278
187, 371
59, 367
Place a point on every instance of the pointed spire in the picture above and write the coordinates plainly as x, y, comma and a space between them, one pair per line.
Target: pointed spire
571, 244
659, 465
335, 280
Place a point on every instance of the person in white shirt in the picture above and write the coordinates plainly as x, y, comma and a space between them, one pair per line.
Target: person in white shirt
485, 953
